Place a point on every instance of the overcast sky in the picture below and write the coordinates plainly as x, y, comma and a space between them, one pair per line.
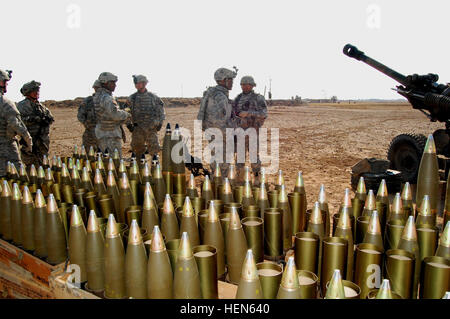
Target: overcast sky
178, 44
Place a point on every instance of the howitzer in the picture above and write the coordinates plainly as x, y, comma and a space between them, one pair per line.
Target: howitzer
422, 91
426, 95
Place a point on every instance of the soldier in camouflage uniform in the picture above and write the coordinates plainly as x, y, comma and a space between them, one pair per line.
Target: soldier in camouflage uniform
109, 116
10, 125
86, 115
250, 109
215, 110
37, 119
147, 113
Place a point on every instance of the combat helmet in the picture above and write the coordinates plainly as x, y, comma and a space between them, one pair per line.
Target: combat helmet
97, 84
223, 73
29, 87
5, 75
139, 78
106, 77
248, 80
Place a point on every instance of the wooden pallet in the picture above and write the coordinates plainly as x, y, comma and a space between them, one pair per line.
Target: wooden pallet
22, 275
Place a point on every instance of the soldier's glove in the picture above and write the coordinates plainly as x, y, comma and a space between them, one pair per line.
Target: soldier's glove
29, 142
130, 127
158, 128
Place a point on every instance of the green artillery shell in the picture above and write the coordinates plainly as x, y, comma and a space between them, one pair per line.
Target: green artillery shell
5, 212
159, 186
177, 150
306, 248
299, 184
382, 204
360, 198
236, 248
202, 217
295, 202
428, 176
149, 212
283, 204
334, 256
40, 216
56, 190
189, 223
373, 233
344, 230
436, 277
400, 271
169, 222
370, 204
335, 286
367, 267
114, 262
99, 186
249, 286
346, 206
408, 242
113, 190
263, 200
16, 215
427, 238
308, 282
172, 252
207, 191
289, 286
166, 150
191, 189
254, 233
106, 204
316, 225
247, 198
216, 181
351, 290
199, 204
270, 278
27, 218
125, 198
65, 219
273, 198
77, 242
227, 208
443, 249
179, 183
394, 231
167, 182
95, 258
55, 235
186, 281
407, 200
90, 201
213, 236
251, 211
256, 190
336, 218
67, 194
273, 233
159, 270
134, 188
384, 292
79, 196
425, 216
362, 222
86, 180
206, 259
135, 264
218, 204
178, 199
224, 224
133, 212
238, 193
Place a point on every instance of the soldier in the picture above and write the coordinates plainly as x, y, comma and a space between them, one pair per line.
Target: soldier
86, 115
215, 109
37, 119
250, 109
10, 125
109, 116
147, 113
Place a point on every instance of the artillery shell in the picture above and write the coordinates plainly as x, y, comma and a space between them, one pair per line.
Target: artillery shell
249, 285
236, 248
179, 183
373, 233
213, 236
270, 278
189, 223
298, 215
206, 259
254, 233
172, 252
335, 286
27, 218
55, 235
344, 230
427, 238
5, 212
436, 277
351, 290
367, 267
289, 286
362, 223
135, 264
77, 243
95, 257
16, 215
306, 250
273, 234
400, 271
394, 230
334, 256
308, 284
169, 223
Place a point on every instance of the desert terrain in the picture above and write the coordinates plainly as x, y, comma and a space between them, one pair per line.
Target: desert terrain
322, 140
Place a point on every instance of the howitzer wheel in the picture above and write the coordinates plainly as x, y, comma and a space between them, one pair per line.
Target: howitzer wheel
405, 153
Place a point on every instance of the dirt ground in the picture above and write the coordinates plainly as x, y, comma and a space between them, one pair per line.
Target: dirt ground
323, 141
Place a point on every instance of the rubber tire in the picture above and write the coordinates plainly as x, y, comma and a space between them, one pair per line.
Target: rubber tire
405, 153
373, 180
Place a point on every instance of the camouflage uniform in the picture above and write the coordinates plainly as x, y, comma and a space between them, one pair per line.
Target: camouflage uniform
254, 106
86, 115
215, 112
109, 119
10, 125
147, 113
37, 119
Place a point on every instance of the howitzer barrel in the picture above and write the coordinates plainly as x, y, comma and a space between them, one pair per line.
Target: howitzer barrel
353, 52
